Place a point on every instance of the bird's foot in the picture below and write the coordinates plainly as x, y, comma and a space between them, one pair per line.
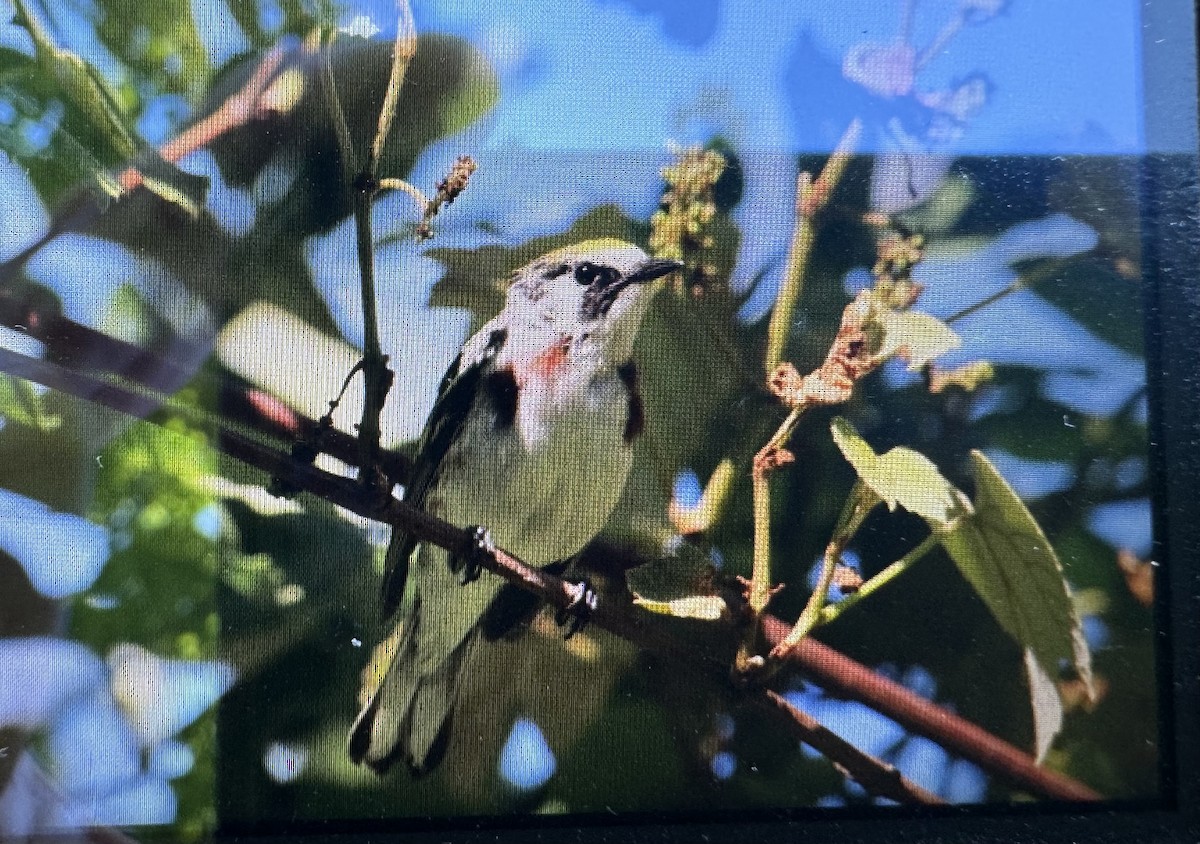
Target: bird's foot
575, 615
469, 566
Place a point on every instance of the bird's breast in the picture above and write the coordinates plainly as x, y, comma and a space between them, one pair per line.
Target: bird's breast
550, 479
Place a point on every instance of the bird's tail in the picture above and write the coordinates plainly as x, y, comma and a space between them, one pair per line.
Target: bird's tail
407, 716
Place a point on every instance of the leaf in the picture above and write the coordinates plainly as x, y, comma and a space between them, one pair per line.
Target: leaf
970, 376
20, 403
1002, 552
703, 607
902, 476
915, 336
1047, 706
253, 576
90, 93
940, 212
159, 41
319, 362
705, 512
86, 88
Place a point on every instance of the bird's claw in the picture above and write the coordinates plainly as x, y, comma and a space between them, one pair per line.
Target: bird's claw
469, 566
575, 615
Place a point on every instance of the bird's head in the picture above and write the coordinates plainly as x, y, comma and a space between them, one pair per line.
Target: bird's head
596, 291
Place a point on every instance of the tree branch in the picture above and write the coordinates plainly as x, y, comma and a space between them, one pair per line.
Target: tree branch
81, 348
835, 672
841, 676
875, 776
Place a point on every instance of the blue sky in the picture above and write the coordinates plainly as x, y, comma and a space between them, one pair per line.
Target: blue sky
625, 74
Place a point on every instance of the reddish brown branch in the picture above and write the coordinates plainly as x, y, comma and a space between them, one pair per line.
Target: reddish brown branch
250, 103
835, 672
80, 348
842, 676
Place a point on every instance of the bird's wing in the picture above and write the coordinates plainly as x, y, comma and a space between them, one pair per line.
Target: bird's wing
456, 395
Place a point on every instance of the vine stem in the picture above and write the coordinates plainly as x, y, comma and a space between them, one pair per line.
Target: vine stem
833, 612
855, 512
812, 195
759, 590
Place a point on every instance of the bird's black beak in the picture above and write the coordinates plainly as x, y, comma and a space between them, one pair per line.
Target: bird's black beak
651, 269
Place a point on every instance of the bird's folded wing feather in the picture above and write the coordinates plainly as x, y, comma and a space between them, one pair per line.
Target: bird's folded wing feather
456, 395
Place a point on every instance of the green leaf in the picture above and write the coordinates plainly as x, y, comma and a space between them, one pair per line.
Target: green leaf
253, 576
19, 403
902, 476
157, 40
968, 377
1002, 552
80, 83
700, 517
940, 212
322, 361
90, 93
703, 607
1047, 706
917, 337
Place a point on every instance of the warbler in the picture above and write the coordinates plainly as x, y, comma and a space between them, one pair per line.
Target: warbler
531, 437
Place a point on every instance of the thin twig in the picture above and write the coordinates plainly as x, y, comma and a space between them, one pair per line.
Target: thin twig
1018, 285
333, 104
412, 190
907, 15
377, 377
944, 37
853, 515
876, 776
402, 54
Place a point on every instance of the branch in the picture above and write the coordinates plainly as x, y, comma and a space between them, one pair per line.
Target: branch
252, 102
82, 349
875, 776
365, 185
841, 676
402, 54
835, 672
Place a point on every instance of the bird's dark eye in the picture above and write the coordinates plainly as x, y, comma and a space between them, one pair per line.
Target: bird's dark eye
588, 274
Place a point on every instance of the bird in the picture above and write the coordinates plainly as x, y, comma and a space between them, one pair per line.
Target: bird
530, 440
